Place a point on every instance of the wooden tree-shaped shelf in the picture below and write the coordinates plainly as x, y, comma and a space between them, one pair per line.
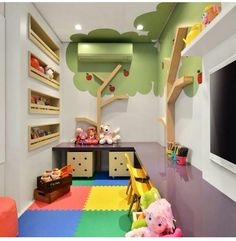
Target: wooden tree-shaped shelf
174, 86
38, 75
41, 39
42, 103
100, 102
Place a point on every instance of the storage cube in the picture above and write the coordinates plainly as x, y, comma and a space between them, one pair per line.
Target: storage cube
118, 164
82, 163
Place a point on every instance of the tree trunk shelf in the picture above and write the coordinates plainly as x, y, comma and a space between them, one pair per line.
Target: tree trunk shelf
41, 135
41, 103
177, 88
118, 97
86, 120
38, 75
41, 39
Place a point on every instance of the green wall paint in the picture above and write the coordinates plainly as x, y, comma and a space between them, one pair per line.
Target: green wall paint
185, 14
142, 71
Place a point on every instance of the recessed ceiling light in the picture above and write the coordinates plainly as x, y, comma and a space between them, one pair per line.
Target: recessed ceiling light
78, 27
140, 27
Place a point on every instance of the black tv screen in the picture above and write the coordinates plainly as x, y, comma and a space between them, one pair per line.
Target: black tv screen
223, 112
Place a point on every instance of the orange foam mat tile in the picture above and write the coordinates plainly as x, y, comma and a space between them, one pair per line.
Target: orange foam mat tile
107, 198
74, 200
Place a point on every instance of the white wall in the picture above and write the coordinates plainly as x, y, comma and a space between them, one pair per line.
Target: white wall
2, 103
1, 8
193, 123
137, 117
23, 166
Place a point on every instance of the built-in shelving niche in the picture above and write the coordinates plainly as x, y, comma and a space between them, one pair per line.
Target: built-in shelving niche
40, 135
41, 39
36, 74
41, 103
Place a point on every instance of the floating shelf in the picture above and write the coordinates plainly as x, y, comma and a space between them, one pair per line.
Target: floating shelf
36, 74
41, 135
177, 87
41, 103
220, 29
41, 39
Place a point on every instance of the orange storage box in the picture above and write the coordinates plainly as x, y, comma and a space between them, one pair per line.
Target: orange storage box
8, 217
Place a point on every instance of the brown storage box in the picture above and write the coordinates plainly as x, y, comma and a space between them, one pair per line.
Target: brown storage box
52, 196
52, 186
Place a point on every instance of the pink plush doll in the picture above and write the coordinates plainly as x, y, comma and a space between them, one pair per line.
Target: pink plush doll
81, 136
159, 219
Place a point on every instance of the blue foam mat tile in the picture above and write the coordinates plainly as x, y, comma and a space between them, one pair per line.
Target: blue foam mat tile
111, 182
42, 223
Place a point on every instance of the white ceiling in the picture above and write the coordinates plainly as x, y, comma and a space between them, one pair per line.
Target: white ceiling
92, 15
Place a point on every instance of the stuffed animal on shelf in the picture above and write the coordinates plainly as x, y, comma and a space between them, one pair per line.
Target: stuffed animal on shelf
92, 138
49, 72
210, 12
108, 136
159, 219
81, 136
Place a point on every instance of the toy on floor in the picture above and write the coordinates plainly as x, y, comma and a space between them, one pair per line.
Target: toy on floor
210, 12
108, 136
159, 219
92, 138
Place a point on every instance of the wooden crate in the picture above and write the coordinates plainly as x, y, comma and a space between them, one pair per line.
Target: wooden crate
118, 163
82, 163
52, 196
52, 186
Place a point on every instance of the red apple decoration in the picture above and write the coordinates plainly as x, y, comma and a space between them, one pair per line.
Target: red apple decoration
126, 72
34, 62
112, 88
199, 77
88, 76
41, 69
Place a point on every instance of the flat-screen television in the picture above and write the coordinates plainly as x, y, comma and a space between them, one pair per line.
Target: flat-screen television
223, 114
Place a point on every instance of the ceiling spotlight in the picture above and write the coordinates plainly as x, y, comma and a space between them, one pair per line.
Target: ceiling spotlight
78, 27
140, 27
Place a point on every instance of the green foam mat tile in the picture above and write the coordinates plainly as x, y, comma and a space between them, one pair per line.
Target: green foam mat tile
103, 224
84, 182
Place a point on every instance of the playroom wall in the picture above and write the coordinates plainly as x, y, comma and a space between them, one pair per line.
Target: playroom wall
137, 117
2, 100
23, 166
192, 108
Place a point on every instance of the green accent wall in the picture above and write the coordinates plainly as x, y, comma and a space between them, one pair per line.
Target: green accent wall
142, 71
185, 14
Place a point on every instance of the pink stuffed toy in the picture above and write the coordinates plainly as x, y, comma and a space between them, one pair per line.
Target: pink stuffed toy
81, 136
159, 219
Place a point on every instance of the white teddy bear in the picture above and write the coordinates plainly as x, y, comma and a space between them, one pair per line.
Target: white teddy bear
108, 136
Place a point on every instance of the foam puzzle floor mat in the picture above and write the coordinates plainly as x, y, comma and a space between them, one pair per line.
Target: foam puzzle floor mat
107, 198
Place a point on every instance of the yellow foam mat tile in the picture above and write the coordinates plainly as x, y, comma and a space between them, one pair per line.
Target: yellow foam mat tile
107, 198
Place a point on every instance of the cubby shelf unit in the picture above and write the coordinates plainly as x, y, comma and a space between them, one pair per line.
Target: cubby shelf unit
51, 133
41, 39
38, 75
52, 105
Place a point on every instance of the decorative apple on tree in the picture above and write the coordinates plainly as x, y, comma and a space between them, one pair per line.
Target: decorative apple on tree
199, 77
112, 88
126, 72
88, 76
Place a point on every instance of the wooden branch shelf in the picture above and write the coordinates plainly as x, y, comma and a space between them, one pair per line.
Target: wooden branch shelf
177, 88
41, 135
41, 39
163, 120
87, 120
38, 75
41, 103
118, 97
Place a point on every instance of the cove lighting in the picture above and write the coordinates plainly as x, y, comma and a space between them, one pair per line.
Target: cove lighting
140, 27
78, 27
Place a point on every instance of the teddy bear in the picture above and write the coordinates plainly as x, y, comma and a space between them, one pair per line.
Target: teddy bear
160, 221
92, 138
81, 136
108, 136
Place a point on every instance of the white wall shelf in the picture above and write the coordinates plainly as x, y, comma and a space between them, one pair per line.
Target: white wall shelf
220, 29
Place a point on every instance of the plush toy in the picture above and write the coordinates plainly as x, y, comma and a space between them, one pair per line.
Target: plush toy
210, 12
92, 138
159, 219
108, 136
49, 72
81, 136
